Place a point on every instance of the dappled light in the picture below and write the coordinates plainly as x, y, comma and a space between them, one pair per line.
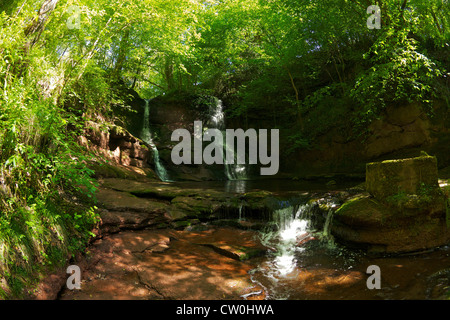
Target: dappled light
224, 150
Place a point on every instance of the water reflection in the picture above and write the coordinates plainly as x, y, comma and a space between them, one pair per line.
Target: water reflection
301, 262
236, 186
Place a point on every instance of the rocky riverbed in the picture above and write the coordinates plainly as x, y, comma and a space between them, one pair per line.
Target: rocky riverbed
167, 241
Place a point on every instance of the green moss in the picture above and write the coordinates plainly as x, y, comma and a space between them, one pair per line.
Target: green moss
390, 177
118, 130
248, 253
398, 200
349, 204
364, 211
181, 224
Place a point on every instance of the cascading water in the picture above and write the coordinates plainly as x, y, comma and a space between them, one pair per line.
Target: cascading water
146, 136
326, 234
292, 227
217, 120
288, 237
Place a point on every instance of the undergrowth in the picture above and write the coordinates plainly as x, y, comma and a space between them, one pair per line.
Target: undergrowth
47, 208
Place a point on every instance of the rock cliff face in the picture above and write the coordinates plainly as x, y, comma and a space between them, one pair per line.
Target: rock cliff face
400, 132
167, 114
127, 153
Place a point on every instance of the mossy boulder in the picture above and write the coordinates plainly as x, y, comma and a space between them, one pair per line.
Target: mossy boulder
363, 211
396, 236
387, 178
404, 209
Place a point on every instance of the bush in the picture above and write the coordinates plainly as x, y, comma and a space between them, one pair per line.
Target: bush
47, 207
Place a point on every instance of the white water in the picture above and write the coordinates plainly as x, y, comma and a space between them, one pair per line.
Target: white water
292, 228
146, 136
287, 249
217, 120
236, 186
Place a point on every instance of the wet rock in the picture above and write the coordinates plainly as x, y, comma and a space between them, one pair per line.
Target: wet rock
237, 252
175, 215
233, 243
184, 224
362, 211
195, 206
404, 211
439, 285
122, 201
161, 264
122, 211
114, 221
240, 224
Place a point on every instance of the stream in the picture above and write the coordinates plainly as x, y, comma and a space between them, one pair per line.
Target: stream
299, 260
304, 263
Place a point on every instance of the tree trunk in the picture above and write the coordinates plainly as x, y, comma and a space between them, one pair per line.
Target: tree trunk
168, 72
38, 25
122, 54
33, 33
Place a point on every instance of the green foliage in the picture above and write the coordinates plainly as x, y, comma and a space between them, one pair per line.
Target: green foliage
398, 200
306, 67
428, 192
425, 197
47, 192
297, 141
399, 73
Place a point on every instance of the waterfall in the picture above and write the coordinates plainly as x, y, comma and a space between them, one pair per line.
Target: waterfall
326, 235
293, 238
217, 120
293, 227
146, 136
289, 229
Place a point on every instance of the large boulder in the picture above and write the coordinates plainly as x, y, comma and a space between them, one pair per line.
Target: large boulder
404, 209
390, 177
379, 227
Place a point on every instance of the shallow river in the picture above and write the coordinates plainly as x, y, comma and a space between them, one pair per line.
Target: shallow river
320, 268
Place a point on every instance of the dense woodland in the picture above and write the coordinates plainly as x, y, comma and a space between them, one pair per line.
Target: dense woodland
300, 65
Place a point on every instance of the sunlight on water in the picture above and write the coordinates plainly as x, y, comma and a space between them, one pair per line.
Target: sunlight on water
233, 171
292, 227
297, 228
